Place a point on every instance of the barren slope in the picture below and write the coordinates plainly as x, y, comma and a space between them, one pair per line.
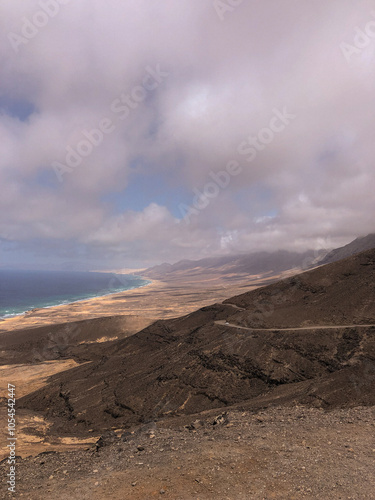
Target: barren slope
192, 364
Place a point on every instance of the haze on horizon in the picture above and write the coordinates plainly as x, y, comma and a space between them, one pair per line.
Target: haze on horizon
119, 119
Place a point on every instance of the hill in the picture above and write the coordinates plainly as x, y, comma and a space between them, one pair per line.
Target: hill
307, 339
358, 245
258, 265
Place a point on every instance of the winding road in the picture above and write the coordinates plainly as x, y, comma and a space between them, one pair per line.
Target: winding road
317, 327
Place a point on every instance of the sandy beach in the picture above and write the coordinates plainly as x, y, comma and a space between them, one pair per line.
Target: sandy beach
158, 300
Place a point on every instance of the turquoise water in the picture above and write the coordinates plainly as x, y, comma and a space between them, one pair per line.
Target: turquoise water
21, 291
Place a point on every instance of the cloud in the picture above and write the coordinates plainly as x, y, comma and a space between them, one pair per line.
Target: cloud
217, 83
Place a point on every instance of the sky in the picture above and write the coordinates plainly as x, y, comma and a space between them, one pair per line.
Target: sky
136, 132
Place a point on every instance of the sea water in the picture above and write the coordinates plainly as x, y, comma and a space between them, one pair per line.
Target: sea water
21, 291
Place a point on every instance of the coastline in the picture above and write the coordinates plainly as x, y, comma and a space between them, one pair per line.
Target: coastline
66, 312
45, 341
29, 311
157, 299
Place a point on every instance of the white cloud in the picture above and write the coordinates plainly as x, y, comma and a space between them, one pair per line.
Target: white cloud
224, 79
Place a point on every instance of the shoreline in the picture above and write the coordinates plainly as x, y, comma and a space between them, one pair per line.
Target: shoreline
41, 316
158, 300
28, 311
47, 341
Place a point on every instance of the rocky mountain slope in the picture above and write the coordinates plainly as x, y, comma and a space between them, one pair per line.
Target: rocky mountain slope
358, 245
259, 263
309, 338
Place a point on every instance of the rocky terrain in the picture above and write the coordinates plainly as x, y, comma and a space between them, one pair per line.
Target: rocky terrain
277, 453
303, 338
263, 264
268, 394
356, 246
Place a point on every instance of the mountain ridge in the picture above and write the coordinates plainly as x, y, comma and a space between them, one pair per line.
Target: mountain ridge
260, 263
192, 364
256, 263
358, 245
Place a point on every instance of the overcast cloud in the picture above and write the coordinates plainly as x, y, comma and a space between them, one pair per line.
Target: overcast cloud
176, 89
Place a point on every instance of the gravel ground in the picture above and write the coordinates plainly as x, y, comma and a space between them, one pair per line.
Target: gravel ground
282, 453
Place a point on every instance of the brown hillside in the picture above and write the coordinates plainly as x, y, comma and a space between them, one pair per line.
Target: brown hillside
342, 293
203, 361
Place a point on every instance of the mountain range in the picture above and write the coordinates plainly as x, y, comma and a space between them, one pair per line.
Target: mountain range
358, 245
309, 338
260, 264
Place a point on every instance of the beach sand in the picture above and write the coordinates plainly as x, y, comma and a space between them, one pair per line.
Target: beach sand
158, 300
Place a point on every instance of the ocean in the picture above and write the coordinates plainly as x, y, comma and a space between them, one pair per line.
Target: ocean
21, 291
